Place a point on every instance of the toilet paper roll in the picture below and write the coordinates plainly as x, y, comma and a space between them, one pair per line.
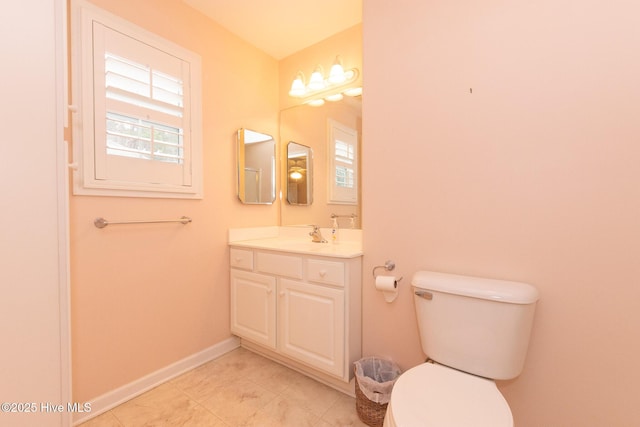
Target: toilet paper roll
386, 283
389, 287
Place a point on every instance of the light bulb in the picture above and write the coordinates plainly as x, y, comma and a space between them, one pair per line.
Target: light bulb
336, 75
297, 87
316, 102
334, 97
316, 82
355, 91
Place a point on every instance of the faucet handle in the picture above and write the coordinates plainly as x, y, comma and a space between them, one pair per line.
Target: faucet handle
316, 235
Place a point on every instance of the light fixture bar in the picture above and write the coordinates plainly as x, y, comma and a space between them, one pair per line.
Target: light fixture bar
319, 87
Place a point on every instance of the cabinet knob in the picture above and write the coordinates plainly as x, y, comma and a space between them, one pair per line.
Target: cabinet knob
282, 293
238, 259
269, 291
322, 273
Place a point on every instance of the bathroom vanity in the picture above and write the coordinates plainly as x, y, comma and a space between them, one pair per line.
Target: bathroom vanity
297, 301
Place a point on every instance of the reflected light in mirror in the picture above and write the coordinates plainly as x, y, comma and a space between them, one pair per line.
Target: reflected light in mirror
316, 102
356, 91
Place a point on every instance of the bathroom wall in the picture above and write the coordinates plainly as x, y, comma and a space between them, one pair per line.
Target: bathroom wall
509, 131
145, 296
34, 357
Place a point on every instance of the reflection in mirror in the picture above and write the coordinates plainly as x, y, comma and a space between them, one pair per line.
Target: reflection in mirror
299, 174
311, 126
256, 167
342, 169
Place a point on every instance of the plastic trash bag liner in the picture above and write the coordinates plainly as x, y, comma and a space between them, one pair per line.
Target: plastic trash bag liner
376, 377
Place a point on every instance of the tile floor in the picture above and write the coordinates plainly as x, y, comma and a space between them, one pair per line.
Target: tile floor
240, 388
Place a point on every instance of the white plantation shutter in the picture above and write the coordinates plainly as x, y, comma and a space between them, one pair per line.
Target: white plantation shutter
141, 131
141, 111
343, 163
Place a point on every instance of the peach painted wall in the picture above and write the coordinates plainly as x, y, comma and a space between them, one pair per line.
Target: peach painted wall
533, 176
145, 296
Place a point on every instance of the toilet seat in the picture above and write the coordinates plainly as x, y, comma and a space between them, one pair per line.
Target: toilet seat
430, 395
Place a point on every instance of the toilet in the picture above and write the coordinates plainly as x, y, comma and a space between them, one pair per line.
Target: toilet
474, 331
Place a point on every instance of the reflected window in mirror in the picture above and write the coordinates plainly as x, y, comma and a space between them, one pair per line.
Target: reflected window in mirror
299, 174
342, 163
256, 167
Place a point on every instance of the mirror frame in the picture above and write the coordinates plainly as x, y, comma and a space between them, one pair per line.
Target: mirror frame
307, 175
266, 191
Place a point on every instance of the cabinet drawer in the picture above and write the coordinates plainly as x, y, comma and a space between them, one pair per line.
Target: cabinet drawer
240, 258
282, 265
329, 272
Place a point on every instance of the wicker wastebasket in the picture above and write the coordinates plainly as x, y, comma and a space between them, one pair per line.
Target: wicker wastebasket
374, 379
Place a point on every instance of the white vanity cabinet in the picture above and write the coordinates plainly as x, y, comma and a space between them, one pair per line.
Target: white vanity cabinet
298, 308
253, 307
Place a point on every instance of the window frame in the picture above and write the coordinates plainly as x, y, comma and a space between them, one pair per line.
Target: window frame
87, 157
336, 194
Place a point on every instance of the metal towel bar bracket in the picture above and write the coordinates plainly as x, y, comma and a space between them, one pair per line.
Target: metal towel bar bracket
102, 223
343, 216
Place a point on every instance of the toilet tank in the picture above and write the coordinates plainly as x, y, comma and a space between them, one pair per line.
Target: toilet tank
476, 325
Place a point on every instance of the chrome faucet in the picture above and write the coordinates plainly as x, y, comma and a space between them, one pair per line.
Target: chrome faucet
316, 236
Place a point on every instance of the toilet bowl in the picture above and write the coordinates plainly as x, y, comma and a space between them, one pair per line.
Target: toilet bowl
478, 326
435, 395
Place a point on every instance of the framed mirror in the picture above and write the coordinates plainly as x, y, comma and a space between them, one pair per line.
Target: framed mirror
256, 167
299, 174
312, 126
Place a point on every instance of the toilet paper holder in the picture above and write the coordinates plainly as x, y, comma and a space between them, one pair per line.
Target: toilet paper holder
388, 265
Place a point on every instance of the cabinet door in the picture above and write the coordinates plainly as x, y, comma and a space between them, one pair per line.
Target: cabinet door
253, 307
311, 325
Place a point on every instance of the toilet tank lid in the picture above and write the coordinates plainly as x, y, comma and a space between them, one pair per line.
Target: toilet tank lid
476, 287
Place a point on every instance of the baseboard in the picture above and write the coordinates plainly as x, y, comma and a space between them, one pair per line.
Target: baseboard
120, 395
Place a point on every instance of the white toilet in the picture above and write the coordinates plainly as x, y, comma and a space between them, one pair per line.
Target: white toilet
474, 331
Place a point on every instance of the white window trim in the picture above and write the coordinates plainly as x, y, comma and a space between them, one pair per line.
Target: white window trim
340, 195
84, 181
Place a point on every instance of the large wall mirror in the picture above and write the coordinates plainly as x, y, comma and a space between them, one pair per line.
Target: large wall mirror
311, 127
299, 174
256, 167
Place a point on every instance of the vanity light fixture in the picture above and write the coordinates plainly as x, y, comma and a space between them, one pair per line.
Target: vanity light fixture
336, 75
316, 81
331, 89
335, 97
297, 87
354, 91
316, 102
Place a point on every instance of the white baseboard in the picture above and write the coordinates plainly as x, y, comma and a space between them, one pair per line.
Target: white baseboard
120, 395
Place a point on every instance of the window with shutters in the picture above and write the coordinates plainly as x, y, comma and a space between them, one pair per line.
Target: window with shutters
138, 125
342, 163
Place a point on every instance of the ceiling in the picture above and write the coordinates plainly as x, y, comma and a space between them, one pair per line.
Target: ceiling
282, 27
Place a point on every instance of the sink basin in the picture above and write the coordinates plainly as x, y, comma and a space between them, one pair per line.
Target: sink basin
338, 250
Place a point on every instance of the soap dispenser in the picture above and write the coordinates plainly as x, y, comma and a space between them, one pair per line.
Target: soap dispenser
334, 230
